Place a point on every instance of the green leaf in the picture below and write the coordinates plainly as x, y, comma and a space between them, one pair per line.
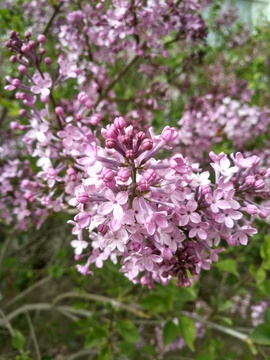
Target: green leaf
261, 334
127, 348
56, 271
104, 352
229, 266
264, 287
128, 331
170, 331
260, 276
18, 340
267, 316
265, 249
187, 331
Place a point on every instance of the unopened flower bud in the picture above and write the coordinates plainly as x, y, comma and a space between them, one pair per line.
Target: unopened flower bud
110, 143
141, 136
107, 175
22, 112
42, 51
150, 175
32, 45
143, 185
27, 34
120, 123
41, 38
169, 134
13, 59
250, 180
48, 61
72, 174
16, 82
25, 49
22, 69
103, 229
44, 99
259, 184
14, 125
112, 132
147, 144
25, 184
263, 213
59, 111
205, 189
130, 154
251, 209
83, 198
123, 174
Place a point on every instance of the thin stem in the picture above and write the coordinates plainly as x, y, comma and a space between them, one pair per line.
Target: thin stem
102, 299
7, 323
33, 335
28, 290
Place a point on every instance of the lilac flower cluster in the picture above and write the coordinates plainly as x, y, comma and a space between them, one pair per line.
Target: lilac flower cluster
210, 119
164, 218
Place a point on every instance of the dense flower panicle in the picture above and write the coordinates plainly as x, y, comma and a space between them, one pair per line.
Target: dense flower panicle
208, 120
160, 220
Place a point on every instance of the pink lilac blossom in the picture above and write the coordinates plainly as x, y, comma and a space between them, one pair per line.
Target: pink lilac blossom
161, 238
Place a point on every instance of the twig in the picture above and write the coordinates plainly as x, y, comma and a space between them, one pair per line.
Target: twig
28, 290
82, 353
102, 299
33, 335
7, 323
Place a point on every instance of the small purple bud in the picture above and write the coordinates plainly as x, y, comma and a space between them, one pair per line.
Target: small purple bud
107, 175
251, 209
169, 134
143, 185
263, 213
112, 132
42, 51
79, 117
48, 61
13, 59
22, 112
259, 184
103, 229
25, 184
12, 33
44, 99
110, 143
250, 180
205, 189
41, 38
123, 174
22, 69
141, 136
16, 83
147, 144
25, 49
27, 34
14, 125
32, 45
130, 154
150, 175
59, 111
120, 123
83, 198
72, 174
